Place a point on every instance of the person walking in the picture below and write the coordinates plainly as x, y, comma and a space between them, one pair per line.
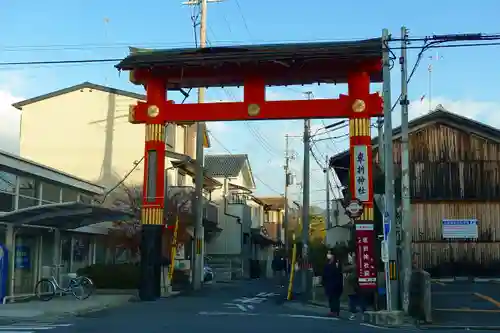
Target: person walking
278, 266
356, 297
332, 281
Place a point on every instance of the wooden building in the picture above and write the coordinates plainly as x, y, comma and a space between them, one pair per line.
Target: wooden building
454, 174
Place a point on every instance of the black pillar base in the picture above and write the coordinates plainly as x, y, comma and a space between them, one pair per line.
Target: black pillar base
150, 280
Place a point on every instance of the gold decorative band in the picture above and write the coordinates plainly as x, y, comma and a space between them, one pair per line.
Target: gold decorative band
152, 216
367, 214
155, 132
359, 127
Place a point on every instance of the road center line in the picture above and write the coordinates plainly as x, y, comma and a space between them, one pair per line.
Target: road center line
488, 299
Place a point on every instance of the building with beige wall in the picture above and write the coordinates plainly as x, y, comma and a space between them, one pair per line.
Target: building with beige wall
84, 130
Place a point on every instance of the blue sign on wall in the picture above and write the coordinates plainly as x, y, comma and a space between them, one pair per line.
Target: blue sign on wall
4, 271
22, 257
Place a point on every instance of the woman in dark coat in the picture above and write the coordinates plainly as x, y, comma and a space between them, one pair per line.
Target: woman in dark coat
333, 283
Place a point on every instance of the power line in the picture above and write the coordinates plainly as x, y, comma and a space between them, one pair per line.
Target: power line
230, 153
108, 60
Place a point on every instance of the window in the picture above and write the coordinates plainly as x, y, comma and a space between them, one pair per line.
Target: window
69, 195
7, 182
85, 199
170, 136
28, 187
181, 177
25, 202
7, 202
51, 192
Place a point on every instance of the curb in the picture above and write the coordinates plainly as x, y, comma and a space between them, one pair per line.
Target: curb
315, 303
466, 279
458, 327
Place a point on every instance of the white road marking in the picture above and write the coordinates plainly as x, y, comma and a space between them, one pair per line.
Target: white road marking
30, 328
308, 317
246, 300
375, 326
264, 294
236, 306
219, 313
38, 325
26, 328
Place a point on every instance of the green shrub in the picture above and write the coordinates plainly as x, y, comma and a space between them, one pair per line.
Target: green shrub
113, 276
124, 276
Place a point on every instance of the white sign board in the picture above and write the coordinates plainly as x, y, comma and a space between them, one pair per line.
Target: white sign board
361, 181
460, 229
384, 249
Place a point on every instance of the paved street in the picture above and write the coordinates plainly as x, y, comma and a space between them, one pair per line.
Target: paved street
466, 303
243, 307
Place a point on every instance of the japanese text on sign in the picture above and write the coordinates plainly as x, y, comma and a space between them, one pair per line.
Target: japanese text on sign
367, 273
361, 180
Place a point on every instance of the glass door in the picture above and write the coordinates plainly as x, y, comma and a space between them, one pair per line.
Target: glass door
26, 263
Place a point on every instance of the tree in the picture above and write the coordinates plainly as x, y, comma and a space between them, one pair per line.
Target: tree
124, 236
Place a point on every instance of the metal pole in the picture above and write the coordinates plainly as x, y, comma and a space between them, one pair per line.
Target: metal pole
287, 183
380, 140
328, 211
392, 285
305, 209
406, 260
198, 192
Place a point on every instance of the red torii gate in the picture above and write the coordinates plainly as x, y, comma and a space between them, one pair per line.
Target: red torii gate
357, 63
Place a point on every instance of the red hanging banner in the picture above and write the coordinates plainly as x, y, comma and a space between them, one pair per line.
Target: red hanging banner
365, 255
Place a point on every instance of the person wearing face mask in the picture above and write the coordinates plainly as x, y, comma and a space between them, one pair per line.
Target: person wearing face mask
356, 297
332, 281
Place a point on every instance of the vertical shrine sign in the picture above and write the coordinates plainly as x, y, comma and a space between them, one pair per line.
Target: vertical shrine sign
365, 256
361, 178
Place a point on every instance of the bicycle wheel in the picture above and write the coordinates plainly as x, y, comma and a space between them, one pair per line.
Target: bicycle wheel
45, 290
88, 284
81, 287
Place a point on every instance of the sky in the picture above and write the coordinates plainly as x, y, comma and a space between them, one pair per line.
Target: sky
463, 80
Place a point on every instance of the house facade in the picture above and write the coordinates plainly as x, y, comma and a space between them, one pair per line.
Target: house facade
243, 237
95, 141
454, 175
340, 229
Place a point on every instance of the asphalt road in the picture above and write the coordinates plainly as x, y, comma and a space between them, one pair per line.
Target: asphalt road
466, 304
243, 307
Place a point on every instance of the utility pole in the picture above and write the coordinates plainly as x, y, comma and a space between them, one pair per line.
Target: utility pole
406, 258
288, 182
392, 284
197, 269
380, 142
306, 284
328, 204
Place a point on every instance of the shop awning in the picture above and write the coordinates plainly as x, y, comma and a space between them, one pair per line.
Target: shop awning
68, 215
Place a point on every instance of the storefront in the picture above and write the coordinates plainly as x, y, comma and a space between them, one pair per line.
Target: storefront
42, 242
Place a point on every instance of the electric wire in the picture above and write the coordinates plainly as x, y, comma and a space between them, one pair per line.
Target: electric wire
230, 153
116, 60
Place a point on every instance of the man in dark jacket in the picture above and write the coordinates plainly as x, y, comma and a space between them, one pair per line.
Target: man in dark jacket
279, 266
333, 283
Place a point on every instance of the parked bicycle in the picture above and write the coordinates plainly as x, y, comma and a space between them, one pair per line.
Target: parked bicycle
80, 286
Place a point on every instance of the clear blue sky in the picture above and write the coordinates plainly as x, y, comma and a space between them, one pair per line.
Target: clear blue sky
57, 30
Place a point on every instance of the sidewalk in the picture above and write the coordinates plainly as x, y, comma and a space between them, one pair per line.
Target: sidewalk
59, 307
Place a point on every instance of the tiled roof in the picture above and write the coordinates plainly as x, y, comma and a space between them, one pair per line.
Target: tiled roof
225, 165
274, 203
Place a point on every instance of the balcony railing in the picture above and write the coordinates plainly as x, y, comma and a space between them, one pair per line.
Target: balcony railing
235, 198
181, 197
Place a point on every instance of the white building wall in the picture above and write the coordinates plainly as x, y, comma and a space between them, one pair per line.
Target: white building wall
338, 232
